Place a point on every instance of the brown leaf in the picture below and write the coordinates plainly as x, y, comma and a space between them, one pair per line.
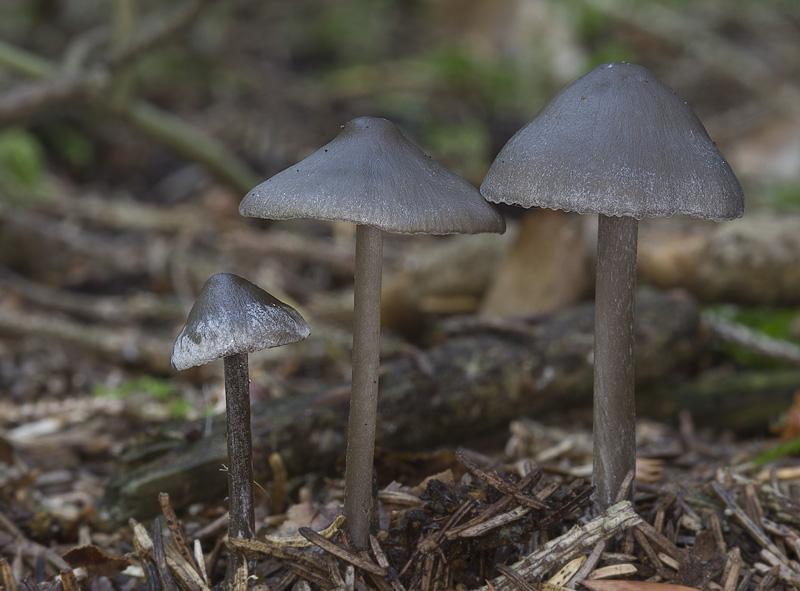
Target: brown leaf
701, 563
621, 585
791, 429
96, 562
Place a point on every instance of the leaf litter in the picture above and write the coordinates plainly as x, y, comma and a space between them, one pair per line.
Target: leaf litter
704, 517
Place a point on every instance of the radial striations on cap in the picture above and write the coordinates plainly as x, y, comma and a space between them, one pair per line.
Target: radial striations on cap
232, 315
617, 141
371, 174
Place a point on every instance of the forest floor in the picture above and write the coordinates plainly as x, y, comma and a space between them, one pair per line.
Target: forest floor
114, 211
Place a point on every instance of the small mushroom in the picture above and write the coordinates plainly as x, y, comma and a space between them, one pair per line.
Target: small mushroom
619, 143
372, 176
231, 318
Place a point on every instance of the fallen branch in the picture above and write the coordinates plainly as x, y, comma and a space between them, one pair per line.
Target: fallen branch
752, 340
126, 343
95, 83
112, 309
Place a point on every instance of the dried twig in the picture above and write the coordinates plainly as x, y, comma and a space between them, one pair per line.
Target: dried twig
658, 539
748, 524
768, 579
616, 519
175, 530
588, 566
730, 572
339, 552
752, 340
383, 562
478, 524
497, 482
164, 560
7, 579
69, 582
279, 546
515, 578
160, 558
430, 544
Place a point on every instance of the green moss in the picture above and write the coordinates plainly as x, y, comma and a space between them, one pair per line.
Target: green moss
22, 167
786, 195
71, 144
771, 321
21, 158
781, 450
153, 387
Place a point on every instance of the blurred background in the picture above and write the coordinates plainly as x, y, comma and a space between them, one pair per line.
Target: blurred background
131, 129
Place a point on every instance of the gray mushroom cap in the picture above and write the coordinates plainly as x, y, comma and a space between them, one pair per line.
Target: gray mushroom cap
371, 174
617, 141
232, 315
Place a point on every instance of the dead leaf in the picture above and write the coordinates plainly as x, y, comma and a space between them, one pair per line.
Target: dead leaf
96, 562
564, 576
791, 429
701, 563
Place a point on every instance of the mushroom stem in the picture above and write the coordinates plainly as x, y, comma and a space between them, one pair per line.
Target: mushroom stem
364, 394
241, 523
614, 395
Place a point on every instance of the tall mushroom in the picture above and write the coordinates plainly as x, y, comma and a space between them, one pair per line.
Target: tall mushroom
231, 318
619, 143
372, 176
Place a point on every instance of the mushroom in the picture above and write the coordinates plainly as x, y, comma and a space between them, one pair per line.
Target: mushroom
373, 176
231, 318
619, 143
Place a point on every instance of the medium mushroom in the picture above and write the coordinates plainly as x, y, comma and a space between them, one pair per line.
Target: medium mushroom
373, 176
619, 143
231, 318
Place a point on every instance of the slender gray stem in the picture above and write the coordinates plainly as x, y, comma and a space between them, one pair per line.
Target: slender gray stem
364, 395
614, 403
241, 523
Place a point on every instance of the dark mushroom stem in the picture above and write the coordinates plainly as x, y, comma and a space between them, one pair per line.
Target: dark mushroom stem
614, 394
241, 523
364, 394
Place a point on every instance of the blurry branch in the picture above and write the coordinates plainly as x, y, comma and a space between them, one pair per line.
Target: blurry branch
95, 84
123, 21
126, 343
137, 220
24, 62
692, 36
190, 142
752, 340
162, 31
32, 99
115, 309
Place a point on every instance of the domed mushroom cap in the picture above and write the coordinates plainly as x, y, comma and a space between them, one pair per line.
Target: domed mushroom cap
230, 316
371, 174
617, 141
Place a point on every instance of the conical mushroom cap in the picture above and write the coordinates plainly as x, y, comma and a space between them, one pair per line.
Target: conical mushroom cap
230, 316
617, 141
371, 174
